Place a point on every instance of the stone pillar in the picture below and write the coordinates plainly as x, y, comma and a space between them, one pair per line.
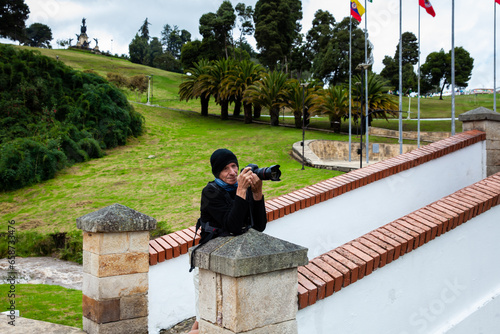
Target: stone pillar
115, 270
249, 284
487, 121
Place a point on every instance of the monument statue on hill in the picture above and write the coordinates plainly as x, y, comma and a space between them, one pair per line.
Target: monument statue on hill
83, 39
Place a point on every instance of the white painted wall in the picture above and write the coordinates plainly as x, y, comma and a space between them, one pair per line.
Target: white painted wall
449, 285
330, 224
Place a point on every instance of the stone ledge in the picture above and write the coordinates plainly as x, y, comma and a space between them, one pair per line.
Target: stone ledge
115, 218
249, 254
479, 114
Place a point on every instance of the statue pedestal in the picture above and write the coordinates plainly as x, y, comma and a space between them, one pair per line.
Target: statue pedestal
83, 41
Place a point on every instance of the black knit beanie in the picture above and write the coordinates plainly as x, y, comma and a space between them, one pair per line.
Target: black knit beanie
220, 159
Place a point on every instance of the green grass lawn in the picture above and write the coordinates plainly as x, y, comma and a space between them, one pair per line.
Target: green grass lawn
49, 303
167, 187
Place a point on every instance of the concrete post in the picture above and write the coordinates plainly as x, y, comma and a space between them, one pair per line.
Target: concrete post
115, 270
249, 284
487, 121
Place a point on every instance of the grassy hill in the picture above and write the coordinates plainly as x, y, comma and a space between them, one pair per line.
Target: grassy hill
167, 187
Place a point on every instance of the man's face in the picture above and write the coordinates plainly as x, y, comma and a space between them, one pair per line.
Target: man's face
229, 174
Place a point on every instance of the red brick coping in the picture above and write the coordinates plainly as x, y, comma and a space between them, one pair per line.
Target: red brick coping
338, 268
177, 243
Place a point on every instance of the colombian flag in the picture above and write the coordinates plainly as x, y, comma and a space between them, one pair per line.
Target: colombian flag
428, 7
357, 10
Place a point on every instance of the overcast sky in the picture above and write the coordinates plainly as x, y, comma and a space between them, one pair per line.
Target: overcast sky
115, 22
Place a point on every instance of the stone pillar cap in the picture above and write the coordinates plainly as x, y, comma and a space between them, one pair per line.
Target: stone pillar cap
115, 218
479, 114
248, 254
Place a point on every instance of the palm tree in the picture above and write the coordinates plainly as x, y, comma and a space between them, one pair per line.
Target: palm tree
244, 74
380, 104
333, 102
190, 86
301, 99
271, 92
212, 82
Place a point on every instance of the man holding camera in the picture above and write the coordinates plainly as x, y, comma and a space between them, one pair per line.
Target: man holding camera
231, 204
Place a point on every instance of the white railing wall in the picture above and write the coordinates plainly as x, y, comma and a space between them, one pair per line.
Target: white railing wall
449, 285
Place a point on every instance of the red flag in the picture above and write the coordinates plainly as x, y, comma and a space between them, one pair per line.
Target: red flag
498, 1
428, 7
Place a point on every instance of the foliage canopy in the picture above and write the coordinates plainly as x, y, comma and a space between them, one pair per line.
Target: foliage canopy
53, 116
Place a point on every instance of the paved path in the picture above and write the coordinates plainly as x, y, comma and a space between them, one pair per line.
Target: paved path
29, 326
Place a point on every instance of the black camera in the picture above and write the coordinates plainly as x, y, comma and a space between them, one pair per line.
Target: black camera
272, 173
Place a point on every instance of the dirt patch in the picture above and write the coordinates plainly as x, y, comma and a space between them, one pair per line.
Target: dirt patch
30, 224
80, 204
6, 208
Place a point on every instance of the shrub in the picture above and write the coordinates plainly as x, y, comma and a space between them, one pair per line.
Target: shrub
52, 116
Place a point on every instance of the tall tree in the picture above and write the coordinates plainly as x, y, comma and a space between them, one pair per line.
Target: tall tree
144, 30
216, 30
138, 49
173, 39
38, 35
13, 14
436, 71
191, 53
410, 49
409, 58
321, 31
277, 27
154, 50
331, 64
245, 24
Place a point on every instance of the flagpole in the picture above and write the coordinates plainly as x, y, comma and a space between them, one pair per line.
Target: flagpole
400, 77
453, 67
495, 58
418, 98
350, 75
367, 151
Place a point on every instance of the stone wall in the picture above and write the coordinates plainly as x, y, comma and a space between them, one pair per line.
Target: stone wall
329, 150
409, 135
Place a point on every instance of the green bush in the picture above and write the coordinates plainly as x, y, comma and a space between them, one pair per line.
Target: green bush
53, 116
24, 162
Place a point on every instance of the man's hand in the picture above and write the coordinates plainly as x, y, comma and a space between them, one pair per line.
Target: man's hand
246, 179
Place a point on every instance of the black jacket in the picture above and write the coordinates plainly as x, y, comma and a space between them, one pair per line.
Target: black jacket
230, 213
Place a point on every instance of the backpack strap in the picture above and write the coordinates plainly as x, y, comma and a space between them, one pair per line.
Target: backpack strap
213, 232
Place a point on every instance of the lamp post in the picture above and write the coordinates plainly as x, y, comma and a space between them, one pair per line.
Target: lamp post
303, 85
149, 87
363, 67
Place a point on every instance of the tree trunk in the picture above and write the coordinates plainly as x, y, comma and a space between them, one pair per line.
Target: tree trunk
298, 120
237, 107
275, 116
224, 109
256, 110
247, 109
204, 105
